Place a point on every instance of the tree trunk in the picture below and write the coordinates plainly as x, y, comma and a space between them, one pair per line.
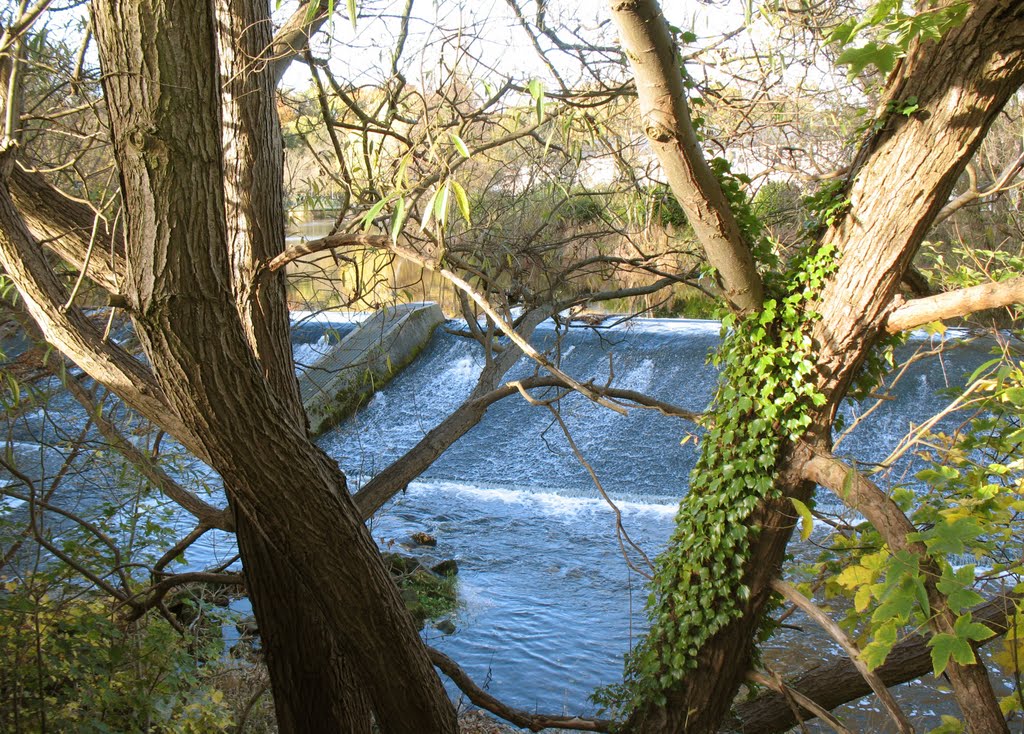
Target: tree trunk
903, 176
162, 89
315, 688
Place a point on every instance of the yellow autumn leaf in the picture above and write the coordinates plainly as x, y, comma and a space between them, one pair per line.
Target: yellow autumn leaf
862, 598
855, 576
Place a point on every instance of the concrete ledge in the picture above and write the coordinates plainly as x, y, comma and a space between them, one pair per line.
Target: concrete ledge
337, 384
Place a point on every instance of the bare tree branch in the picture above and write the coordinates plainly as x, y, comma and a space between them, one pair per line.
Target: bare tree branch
837, 682
950, 304
330, 242
294, 33
666, 120
775, 683
790, 593
1001, 184
206, 514
66, 226
155, 594
483, 699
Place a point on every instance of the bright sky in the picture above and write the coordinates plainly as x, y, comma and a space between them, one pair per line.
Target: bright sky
498, 41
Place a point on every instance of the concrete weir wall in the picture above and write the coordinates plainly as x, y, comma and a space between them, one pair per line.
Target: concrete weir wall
336, 385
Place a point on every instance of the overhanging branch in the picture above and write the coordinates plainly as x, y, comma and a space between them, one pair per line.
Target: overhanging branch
920, 311
839, 682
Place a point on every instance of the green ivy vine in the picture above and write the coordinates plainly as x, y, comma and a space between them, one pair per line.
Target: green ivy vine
765, 392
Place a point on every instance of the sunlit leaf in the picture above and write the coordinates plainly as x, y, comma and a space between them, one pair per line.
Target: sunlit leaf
373, 212
460, 145
441, 203
398, 219
806, 519
428, 210
461, 200
881, 56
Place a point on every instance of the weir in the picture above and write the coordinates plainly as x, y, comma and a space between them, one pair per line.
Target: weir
345, 377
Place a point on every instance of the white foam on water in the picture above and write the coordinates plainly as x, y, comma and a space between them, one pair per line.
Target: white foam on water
639, 378
329, 318
305, 355
465, 370
544, 501
650, 326
9, 503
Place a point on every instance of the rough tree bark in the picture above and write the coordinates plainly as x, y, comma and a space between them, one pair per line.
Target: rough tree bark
903, 175
161, 80
314, 685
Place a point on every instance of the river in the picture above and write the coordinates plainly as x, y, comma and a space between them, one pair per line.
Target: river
547, 603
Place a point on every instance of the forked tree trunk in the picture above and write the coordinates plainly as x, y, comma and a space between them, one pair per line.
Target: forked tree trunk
904, 175
160, 74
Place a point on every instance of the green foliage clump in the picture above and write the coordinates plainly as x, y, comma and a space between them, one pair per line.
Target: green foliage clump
885, 31
665, 207
69, 664
966, 504
734, 186
765, 393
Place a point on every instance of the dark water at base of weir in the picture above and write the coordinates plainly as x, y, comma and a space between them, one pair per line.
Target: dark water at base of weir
548, 605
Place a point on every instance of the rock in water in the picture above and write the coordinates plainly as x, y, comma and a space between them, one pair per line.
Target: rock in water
422, 538
446, 568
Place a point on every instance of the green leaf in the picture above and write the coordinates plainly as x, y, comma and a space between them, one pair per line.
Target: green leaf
951, 535
373, 212
843, 33
899, 602
352, 12
428, 210
882, 56
460, 145
536, 90
945, 646
806, 519
441, 203
876, 651
461, 200
957, 646
967, 629
956, 586
398, 219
